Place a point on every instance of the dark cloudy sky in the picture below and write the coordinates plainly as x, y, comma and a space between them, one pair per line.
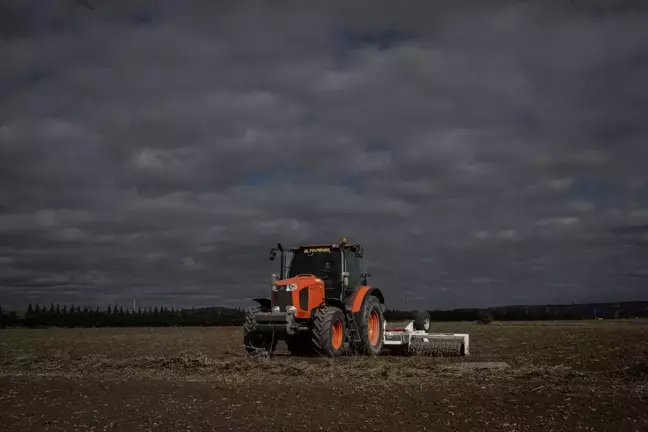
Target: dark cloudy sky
485, 153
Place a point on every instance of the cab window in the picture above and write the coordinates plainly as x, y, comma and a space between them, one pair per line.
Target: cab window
354, 269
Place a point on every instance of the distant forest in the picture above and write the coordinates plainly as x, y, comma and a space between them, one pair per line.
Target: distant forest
39, 316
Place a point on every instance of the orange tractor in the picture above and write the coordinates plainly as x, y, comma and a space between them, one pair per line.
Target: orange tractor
321, 304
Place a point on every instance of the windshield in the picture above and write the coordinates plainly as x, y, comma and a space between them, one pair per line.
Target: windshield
316, 261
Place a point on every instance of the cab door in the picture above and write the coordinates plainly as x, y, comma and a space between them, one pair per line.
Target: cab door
354, 268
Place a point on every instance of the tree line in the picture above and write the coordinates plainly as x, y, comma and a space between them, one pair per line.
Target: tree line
40, 316
113, 316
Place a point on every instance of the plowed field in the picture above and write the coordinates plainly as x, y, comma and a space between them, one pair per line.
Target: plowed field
562, 376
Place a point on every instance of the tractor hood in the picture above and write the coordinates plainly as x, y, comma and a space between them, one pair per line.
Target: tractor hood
300, 281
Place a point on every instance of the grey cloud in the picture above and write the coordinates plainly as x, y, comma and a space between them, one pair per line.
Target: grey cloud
158, 149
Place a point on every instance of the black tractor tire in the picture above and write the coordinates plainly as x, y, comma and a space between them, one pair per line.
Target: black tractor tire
257, 343
422, 320
300, 345
328, 322
370, 306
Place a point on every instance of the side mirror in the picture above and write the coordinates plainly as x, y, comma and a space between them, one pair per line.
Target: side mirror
359, 252
273, 254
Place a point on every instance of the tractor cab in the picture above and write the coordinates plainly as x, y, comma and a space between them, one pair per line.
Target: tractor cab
339, 266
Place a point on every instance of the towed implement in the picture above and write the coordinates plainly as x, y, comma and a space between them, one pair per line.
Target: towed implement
321, 304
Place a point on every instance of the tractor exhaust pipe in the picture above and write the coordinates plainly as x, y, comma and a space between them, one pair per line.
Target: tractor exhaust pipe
282, 261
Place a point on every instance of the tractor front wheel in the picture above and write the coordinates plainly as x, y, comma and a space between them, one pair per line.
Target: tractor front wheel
329, 331
257, 343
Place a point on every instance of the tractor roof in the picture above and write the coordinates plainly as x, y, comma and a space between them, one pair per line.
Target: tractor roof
343, 244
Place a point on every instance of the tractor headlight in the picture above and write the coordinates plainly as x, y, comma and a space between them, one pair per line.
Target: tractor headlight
274, 287
275, 309
291, 287
291, 309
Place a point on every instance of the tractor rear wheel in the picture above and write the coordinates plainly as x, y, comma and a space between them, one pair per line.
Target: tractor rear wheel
370, 325
329, 331
257, 343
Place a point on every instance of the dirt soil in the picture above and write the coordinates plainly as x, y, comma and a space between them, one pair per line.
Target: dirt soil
562, 376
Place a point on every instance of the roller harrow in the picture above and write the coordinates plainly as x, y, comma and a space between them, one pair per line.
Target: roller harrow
406, 340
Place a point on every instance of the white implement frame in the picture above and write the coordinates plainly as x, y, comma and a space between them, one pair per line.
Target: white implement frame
405, 336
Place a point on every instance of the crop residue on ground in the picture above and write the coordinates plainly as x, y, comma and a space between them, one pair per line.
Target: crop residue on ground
561, 376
